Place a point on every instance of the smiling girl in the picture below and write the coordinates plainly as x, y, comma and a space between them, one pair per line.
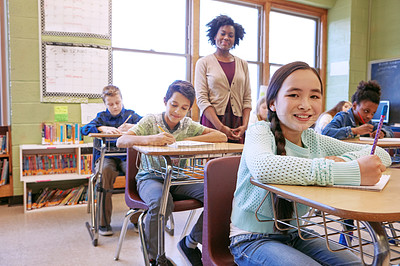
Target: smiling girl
287, 151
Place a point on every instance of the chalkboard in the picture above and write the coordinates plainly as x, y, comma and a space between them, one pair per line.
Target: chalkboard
387, 73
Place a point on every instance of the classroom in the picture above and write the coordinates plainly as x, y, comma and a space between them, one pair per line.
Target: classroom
351, 37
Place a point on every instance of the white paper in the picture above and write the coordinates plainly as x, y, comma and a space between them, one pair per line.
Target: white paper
377, 187
186, 143
90, 110
89, 17
78, 70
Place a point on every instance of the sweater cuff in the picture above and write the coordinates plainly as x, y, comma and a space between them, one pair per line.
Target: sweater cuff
347, 173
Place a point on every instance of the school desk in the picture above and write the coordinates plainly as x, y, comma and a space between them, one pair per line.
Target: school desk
175, 173
101, 142
373, 208
393, 143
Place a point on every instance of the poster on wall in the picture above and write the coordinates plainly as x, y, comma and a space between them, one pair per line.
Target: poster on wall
81, 18
74, 70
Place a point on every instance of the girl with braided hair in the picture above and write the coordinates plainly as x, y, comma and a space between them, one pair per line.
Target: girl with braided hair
287, 151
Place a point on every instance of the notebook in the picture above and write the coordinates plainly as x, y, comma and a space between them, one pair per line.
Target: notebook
377, 187
380, 140
187, 143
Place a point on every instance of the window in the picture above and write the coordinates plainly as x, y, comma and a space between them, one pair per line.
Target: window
292, 37
149, 50
152, 46
249, 49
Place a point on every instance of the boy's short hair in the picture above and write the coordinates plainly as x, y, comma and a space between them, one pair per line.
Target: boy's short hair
183, 87
111, 91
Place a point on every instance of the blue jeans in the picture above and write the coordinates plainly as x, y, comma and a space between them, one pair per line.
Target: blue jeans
150, 191
289, 249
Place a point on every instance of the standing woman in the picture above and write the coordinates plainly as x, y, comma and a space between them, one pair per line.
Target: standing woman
222, 82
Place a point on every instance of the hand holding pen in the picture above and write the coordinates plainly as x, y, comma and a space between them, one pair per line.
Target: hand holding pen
378, 130
163, 138
124, 126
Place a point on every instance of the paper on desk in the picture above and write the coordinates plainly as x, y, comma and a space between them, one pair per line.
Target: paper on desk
186, 143
377, 187
380, 140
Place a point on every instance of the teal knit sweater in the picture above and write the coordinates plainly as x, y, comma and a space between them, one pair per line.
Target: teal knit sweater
301, 166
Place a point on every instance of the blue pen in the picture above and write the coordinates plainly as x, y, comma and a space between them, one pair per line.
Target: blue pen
378, 130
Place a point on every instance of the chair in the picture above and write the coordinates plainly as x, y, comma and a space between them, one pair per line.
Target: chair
219, 185
136, 204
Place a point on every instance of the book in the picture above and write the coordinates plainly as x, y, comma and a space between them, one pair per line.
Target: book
4, 173
377, 187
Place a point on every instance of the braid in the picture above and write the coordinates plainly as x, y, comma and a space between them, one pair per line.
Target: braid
284, 209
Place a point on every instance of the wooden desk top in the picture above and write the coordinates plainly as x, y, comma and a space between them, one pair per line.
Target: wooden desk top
383, 206
104, 135
388, 143
214, 148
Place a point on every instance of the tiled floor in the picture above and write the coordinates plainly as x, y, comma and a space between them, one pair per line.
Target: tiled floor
60, 237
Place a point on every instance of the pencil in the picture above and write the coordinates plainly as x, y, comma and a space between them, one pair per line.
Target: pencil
160, 128
362, 120
126, 120
378, 130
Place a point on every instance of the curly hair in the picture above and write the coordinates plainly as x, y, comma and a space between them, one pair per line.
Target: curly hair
283, 207
367, 91
223, 20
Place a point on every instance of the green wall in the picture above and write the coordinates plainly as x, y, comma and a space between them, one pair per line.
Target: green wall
348, 41
359, 31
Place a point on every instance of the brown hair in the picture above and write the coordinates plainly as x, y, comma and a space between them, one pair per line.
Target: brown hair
111, 91
337, 108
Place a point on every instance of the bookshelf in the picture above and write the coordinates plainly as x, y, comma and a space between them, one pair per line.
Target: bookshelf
39, 179
6, 190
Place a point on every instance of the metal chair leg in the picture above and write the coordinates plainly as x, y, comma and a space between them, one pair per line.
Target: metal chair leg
188, 221
128, 215
170, 226
143, 240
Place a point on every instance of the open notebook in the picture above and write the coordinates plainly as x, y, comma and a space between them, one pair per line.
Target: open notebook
377, 187
188, 143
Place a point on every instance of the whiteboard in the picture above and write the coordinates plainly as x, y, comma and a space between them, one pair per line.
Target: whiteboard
75, 70
80, 18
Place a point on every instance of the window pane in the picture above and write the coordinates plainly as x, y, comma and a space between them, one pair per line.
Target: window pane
144, 79
291, 38
147, 25
254, 74
246, 16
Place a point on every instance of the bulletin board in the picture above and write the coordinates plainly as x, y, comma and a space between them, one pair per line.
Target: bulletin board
387, 73
74, 70
79, 18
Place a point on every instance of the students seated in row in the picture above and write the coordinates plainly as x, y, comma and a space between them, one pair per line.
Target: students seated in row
111, 121
326, 117
175, 127
261, 112
357, 120
287, 151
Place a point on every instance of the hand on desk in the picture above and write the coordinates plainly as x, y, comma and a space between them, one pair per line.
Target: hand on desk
381, 134
335, 158
371, 169
109, 130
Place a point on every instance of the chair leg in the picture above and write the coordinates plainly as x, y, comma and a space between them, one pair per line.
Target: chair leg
143, 240
188, 221
123, 231
170, 226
